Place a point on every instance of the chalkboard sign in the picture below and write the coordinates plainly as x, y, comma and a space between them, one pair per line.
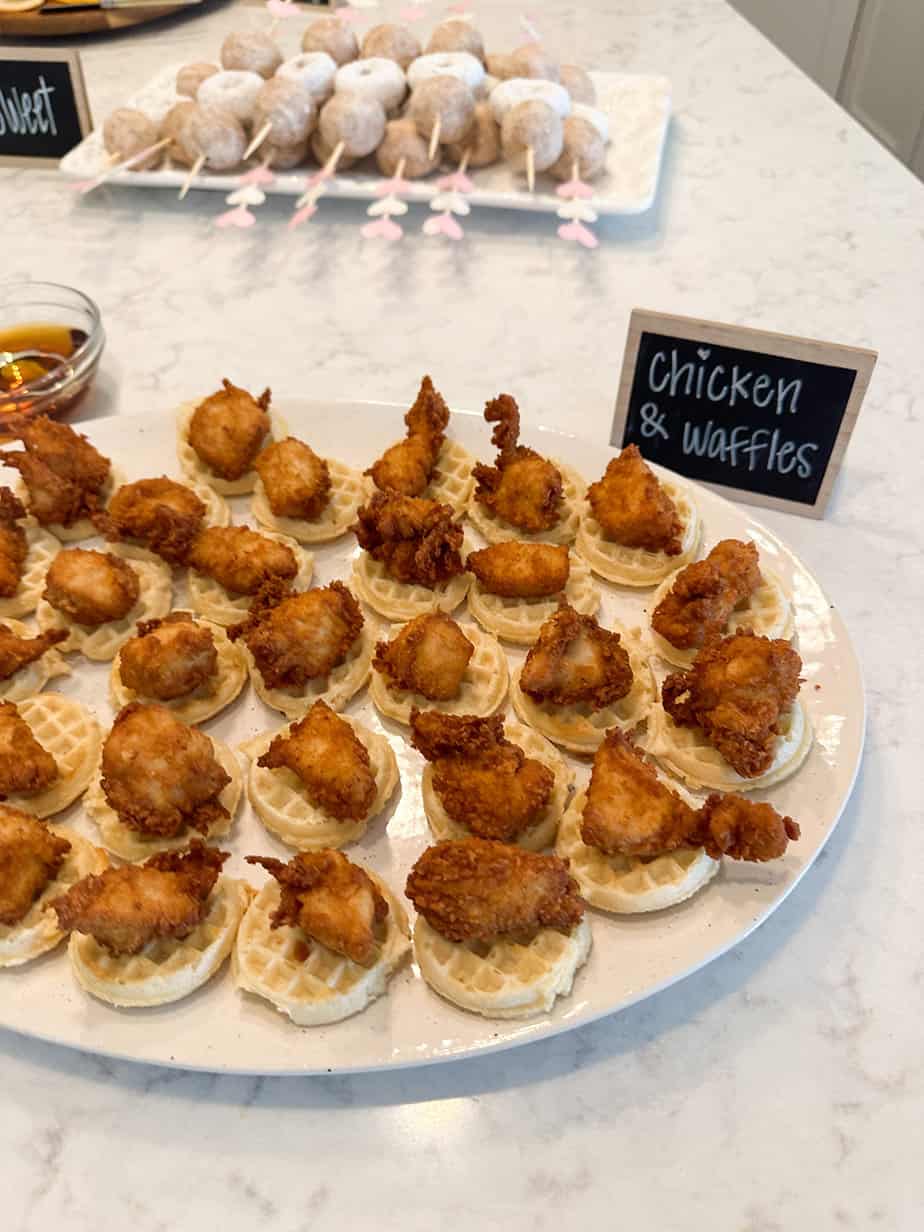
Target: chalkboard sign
764, 415
43, 106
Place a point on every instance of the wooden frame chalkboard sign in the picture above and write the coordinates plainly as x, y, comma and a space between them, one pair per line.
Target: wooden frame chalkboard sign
43, 106
765, 417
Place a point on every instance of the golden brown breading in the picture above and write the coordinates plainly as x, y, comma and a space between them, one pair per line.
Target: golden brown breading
18, 652
633, 508
164, 515
26, 768
416, 540
30, 856
485, 782
575, 660
429, 655
332, 762
241, 559
736, 691
331, 899
62, 471
629, 811
744, 829
227, 429
522, 487
521, 570
472, 889
159, 775
706, 593
13, 546
168, 658
295, 638
90, 587
125, 908
295, 479
408, 466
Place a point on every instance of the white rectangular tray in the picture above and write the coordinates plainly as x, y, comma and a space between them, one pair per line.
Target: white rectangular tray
638, 108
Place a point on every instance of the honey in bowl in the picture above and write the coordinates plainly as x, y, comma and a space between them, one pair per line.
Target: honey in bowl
34, 359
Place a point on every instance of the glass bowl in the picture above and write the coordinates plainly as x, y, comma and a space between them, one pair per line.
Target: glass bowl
57, 335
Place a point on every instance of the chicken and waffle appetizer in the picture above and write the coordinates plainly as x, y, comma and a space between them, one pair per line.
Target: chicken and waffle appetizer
490, 779
28, 660
733, 720
162, 515
433, 663
219, 438
580, 679
229, 565
425, 463
321, 781
522, 494
715, 597
48, 747
635, 844
309, 498
99, 597
305, 646
36, 865
26, 551
518, 586
500, 931
321, 939
412, 561
64, 479
160, 780
187, 664
149, 934
638, 528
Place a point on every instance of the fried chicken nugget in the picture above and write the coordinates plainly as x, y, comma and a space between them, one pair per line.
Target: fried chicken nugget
125, 908
706, 593
417, 540
159, 775
295, 638
633, 508
62, 471
325, 753
744, 829
629, 811
30, 856
736, 692
408, 466
91, 588
241, 559
18, 652
331, 899
295, 479
575, 660
522, 487
168, 658
13, 546
484, 781
165, 515
26, 768
227, 429
473, 889
429, 655
521, 570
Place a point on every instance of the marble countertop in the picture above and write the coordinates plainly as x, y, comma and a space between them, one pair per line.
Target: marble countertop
778, 1088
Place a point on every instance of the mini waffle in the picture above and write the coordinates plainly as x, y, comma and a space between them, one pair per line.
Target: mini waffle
335, 689
519, 620
72, 736
211, 600
42, 547
31, 679
636, 566
197, 470
496, 530
403, 600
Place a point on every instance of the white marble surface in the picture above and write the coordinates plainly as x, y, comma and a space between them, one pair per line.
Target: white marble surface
781, 1087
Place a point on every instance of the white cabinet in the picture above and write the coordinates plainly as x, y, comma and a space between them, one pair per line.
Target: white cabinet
813, 33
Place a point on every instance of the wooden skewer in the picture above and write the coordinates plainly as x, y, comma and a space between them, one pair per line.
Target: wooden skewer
463, 161
258, 139
326, 172
574, 168
530, 168
435, 136
193, 172
115, 165
399, 171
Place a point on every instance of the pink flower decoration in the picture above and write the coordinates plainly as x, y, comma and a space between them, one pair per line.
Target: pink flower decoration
578, 234
458, 181
238, 217
382, 229
443, 224
281, 8
574, 188
302, 215
257, 175
396, 186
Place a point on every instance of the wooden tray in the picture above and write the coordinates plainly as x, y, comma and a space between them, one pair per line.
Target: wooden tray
37, 24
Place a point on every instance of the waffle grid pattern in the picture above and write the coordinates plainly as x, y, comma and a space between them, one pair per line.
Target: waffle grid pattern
636, 566
211, 600
495, 530
348, 490
519, 620
72, 736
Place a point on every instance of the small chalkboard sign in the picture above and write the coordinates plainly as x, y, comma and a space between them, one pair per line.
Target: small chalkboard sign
765, 416
43, 106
